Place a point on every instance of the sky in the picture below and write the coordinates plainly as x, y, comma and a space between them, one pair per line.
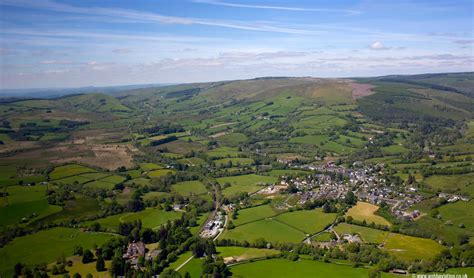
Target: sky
66, 43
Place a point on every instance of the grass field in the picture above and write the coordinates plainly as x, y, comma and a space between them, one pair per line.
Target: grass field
368, 235
84, 269
46, 246
449, 183
459, 213
223, 152
154, 195
268, 229
365, 211
24, 201
187, 188
138, 182
245, 183
159, 173
236, 253
283, 268
151, 218
193, 267
149, 166
322, 237
100, 184
234, 161
308, 221
411, 248
254, 213
69, 170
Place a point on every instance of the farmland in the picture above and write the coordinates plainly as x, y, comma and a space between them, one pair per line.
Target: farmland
366, 212
150, 218
45, 246
249, 168
301, 268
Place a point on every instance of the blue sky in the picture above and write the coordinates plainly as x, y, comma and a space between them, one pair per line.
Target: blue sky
65, 43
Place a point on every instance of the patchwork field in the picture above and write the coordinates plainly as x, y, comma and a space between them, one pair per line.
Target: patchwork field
365, 211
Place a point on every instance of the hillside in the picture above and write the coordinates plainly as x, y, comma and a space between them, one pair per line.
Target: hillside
369, 172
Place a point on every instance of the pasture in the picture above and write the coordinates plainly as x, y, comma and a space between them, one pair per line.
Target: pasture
245, 183
268, 229
236, 253
254, 213
449, 183
459, 213
160, 172
188, 188
412, 248
368, 235
308, 221
283, 268
365, 211
150, 217
68, 171
25, 202
46, 246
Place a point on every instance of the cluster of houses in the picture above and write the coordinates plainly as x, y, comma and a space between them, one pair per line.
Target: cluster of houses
214, 226
367, 182
136, 251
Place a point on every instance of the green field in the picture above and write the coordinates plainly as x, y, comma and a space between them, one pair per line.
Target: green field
254, 213
449, 183
283, 268
69, 170
23, 202
234, 161
159, 173
411, 248
187, 188
151, 218
149, 166
241, 253
46, 246
459, 213
223, 152
268, 229
100, 184
308, 221
246, 183
368, 235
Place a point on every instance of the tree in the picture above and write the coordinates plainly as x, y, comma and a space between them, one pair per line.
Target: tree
87, 257
76, 275
350, 199
100, 264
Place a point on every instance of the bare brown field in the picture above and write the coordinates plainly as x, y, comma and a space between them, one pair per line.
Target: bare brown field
361, 90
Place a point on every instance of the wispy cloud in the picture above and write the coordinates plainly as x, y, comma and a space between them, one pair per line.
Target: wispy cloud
271, 7
154, 17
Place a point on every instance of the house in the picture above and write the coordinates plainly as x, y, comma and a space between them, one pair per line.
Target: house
135, 250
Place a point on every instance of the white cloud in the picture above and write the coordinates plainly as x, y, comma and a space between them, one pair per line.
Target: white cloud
378, 46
